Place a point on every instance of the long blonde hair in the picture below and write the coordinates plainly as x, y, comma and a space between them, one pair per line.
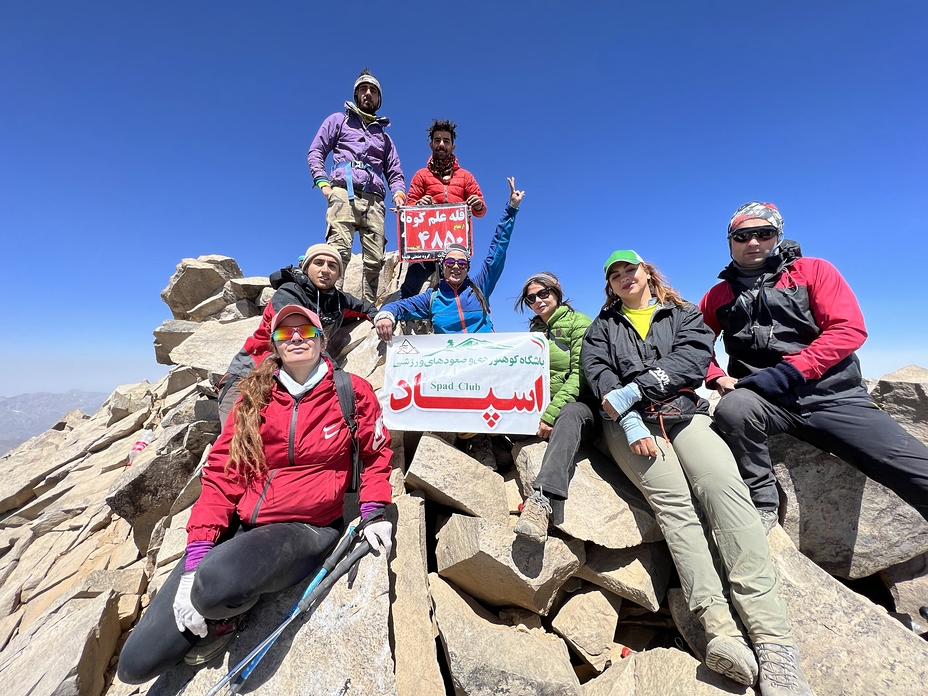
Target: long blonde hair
660, 288
246, 453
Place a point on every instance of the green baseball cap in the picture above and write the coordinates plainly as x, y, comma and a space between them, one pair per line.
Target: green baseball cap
624, 255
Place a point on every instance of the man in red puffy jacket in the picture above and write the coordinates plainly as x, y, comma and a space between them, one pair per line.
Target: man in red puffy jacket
442, 180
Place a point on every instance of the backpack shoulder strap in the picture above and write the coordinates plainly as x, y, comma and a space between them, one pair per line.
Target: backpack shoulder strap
345, 391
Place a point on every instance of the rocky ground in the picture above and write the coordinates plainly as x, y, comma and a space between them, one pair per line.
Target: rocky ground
462, 605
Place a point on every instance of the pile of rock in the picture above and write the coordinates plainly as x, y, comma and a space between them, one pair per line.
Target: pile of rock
463, 605
206, 289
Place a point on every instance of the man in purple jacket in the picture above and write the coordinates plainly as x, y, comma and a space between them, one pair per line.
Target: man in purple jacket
362, 156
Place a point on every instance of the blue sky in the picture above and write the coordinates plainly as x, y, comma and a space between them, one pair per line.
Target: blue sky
135, 134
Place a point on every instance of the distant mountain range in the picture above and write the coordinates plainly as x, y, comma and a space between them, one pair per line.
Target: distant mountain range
27, 415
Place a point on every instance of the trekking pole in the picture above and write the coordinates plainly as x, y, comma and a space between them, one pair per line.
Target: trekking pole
304, 605
331, 563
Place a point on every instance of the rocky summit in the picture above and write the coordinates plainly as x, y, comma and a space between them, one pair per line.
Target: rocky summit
462, 605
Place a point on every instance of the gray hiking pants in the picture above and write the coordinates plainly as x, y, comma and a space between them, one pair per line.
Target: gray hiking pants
697, 465
574, 421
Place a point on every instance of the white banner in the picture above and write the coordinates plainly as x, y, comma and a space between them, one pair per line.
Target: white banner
466, 383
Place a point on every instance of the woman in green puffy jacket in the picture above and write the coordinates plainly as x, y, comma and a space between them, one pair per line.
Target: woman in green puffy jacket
567, 419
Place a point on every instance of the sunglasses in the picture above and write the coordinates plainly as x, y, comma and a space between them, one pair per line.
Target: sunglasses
285, 333
762, 234
542, 294
461, 263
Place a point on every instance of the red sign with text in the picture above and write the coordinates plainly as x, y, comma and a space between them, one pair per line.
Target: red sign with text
425, 230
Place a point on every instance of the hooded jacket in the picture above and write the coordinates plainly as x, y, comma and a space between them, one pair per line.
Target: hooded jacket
674, 355
800, 310
458, 189
458, 310
348, 138
564, 332
308, 451
294, 287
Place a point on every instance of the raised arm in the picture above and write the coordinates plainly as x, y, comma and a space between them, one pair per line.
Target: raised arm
495, 261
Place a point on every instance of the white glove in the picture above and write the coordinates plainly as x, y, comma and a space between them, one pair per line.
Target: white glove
379, 535
185, 616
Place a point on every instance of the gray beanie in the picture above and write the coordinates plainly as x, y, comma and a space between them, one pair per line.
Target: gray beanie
453, 247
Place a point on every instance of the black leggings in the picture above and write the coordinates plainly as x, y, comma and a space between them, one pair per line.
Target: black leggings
232, 575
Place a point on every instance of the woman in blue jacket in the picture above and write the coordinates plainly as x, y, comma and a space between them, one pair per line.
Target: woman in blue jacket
460, 303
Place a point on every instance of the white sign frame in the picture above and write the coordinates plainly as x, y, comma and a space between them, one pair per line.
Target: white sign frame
494, 383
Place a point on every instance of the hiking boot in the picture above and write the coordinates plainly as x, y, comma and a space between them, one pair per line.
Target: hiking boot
769, 517
219, 635
780, 674
480, 448
733, 658
533, 520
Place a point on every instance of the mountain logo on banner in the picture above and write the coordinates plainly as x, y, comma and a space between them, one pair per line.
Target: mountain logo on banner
407, 348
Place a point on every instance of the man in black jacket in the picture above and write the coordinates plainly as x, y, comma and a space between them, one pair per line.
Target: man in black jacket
791, 326
313, 287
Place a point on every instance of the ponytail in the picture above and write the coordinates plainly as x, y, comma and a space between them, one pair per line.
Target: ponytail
246, 452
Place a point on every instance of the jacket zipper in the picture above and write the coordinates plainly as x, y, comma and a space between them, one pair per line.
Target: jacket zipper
290, 447
254, 515
457, 300
290, 438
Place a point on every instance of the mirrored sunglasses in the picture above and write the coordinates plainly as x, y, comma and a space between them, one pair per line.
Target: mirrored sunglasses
451, 263
285, 333
762, 234
542, 294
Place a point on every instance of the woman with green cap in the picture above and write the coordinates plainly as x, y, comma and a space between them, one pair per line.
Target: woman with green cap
643, 356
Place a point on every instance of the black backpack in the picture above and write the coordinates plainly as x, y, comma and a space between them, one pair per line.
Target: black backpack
345, 391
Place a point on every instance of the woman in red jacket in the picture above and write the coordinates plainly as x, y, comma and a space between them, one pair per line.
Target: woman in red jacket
272, 499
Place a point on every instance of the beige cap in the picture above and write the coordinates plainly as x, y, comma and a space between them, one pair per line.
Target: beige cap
322, 250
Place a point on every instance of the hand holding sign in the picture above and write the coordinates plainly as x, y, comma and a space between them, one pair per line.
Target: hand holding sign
515, 196
384, 329
425, 200
474, 202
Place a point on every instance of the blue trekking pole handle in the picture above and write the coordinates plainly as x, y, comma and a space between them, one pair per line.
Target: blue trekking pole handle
309, 598
255, 655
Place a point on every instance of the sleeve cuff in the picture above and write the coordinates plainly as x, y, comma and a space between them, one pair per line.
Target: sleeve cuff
370, 508
384, 314
196, 550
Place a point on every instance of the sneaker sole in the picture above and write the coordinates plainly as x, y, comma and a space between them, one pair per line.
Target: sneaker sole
215, 649
530, 534
728, 666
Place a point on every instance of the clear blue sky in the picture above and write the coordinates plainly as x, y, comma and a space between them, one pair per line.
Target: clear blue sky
135, 134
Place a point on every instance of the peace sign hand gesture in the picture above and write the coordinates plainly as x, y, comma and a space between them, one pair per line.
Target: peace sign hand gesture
515, 196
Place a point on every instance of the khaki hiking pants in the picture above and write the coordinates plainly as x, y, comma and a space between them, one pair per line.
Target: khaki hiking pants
364, 214
697, 462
